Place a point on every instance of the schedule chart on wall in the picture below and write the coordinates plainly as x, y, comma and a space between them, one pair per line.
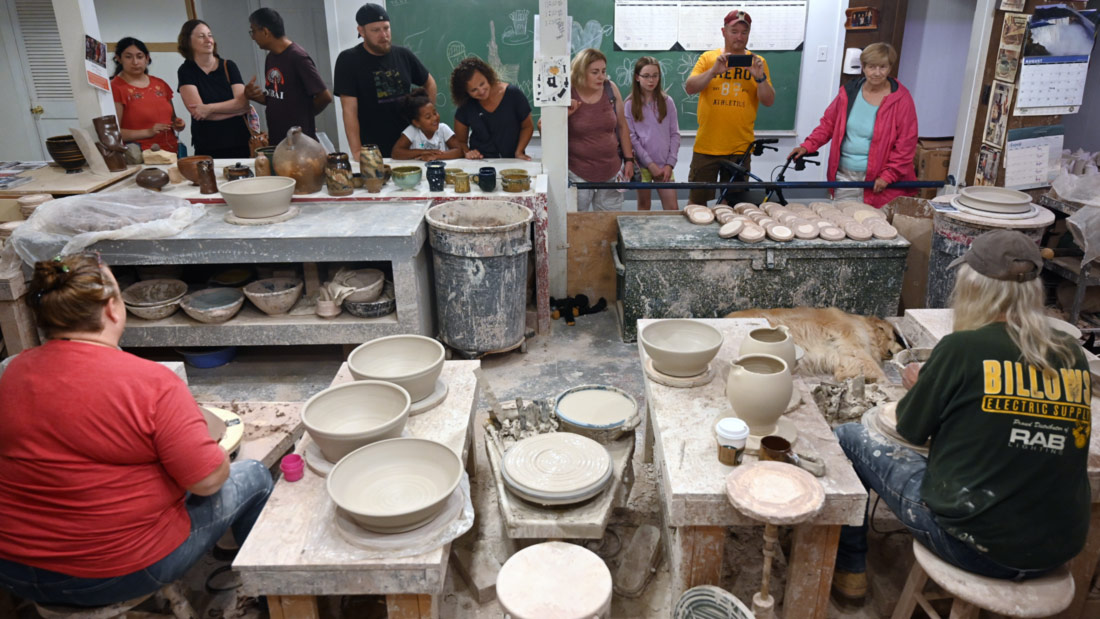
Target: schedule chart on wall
689, 24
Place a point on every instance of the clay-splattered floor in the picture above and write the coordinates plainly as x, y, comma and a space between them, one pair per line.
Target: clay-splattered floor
590, 352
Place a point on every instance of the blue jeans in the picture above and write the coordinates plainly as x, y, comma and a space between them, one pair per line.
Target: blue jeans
896, 473
236, 505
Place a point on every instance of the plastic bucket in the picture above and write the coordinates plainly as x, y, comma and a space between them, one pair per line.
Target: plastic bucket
479, 251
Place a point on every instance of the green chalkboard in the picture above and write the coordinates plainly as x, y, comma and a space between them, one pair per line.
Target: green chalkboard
501, 32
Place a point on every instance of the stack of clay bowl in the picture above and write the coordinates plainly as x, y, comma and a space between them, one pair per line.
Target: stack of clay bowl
558, 468
6, 230
153, 299
832, 221
29, 203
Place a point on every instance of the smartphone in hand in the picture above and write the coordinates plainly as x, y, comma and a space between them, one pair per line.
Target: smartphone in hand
739, 60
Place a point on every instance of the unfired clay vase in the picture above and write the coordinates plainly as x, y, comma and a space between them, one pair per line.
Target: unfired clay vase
110, 142
759, 388
770, 341
395, 485
302, 158
346, 417
680, 347
411, 361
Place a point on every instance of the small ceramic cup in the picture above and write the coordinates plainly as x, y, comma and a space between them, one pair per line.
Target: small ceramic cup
778, 449
487, 178
436, 173
292, 467
462, 182
732, 434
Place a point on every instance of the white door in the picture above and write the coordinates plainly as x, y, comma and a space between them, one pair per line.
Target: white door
39, 104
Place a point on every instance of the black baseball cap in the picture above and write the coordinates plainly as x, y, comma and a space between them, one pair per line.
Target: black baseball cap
370, 13
1003, 254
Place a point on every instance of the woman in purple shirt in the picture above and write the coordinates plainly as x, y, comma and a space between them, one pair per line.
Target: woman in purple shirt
654, 131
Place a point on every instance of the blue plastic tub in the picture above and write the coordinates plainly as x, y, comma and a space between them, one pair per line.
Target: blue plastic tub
208, 357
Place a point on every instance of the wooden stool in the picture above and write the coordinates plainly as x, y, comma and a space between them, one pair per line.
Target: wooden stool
1038, 597
554, 580
181, 608
775, 493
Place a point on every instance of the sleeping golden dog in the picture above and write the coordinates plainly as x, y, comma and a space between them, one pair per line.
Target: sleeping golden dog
846, 345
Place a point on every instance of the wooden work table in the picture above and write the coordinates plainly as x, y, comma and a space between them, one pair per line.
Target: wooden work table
926, 327
53, 180
294, 552
692, 482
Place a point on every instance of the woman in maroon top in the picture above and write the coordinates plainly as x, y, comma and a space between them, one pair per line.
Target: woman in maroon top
143, 103
599, 138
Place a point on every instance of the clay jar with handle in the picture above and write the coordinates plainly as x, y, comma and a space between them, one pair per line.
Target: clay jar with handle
770, 341
302, 158
371, 164
759, 388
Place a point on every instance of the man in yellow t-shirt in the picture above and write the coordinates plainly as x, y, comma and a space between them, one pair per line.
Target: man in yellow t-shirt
728, 97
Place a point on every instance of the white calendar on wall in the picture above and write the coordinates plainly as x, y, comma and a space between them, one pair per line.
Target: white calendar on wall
1051, 85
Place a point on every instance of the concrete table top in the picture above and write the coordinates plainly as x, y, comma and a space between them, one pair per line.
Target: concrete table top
294, 548
693, 481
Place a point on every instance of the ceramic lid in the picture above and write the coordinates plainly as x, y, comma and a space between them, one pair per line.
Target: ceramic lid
731, 428
557, 462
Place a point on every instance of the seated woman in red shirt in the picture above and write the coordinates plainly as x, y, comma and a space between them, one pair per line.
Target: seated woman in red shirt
143, 103
110, 485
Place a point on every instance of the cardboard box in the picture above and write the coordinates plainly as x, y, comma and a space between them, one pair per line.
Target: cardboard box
931, 161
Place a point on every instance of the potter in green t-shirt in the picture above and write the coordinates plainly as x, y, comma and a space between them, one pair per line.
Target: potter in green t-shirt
1007, 440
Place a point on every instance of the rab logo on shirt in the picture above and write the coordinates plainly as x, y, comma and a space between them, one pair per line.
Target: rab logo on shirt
273, 84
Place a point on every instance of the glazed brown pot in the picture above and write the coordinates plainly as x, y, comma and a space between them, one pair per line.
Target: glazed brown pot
65, 152
188, 166
152, 178
302, 158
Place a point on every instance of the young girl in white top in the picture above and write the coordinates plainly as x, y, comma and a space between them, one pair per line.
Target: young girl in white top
654, 131
425, 138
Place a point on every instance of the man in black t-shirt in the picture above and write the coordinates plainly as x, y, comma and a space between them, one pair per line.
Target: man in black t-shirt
371, 79
293, 91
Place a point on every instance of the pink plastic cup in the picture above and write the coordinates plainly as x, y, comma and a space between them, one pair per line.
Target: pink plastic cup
292, 467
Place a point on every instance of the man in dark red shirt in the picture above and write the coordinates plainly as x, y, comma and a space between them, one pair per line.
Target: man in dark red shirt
293, 91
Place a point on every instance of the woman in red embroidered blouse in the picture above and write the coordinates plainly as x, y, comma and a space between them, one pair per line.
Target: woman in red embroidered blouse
143, 103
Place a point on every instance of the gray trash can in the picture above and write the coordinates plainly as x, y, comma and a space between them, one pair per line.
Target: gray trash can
479, 250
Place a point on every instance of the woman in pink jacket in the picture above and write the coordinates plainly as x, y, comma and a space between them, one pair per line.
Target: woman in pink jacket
873, 126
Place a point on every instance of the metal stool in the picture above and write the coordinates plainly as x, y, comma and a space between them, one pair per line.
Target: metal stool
181, 608
1038, 597
554, 580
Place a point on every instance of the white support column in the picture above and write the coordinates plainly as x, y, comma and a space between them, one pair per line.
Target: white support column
554, 40
980, 34
75, 18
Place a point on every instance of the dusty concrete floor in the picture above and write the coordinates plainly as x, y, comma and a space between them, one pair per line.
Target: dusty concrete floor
590, 352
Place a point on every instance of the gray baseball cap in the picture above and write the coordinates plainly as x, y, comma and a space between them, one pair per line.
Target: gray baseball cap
1003, 254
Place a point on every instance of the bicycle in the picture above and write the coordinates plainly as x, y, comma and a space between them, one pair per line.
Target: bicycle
757, 148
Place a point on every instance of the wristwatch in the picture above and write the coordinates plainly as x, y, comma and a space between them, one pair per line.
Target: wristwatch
630, 159
761, 79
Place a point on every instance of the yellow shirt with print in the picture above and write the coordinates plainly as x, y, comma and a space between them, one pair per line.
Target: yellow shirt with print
727, 107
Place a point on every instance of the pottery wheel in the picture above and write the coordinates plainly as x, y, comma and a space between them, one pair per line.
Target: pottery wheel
456, 517
682, 382
774, 492
556, 463
882, 420
433, 400
1028, 214
784, 427
291, 213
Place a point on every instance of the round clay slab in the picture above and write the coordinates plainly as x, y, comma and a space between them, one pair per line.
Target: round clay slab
751, 234
557, 462
831, 233
775, 492
724, 217
857, 231
884, 231
863, 214
780, 233
701, 217
805, 231
731, 229
554, 579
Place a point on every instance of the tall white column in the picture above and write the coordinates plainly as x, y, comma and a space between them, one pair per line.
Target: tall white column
76, 18
554, 40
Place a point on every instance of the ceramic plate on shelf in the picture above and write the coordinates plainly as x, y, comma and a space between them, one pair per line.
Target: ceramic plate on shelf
556, 464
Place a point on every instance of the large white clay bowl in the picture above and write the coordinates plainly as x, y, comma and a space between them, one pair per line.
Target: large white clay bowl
412, 361
259, 196
395, 485
346, 417
680, 347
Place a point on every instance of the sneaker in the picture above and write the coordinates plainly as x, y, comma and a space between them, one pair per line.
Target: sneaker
850, 587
